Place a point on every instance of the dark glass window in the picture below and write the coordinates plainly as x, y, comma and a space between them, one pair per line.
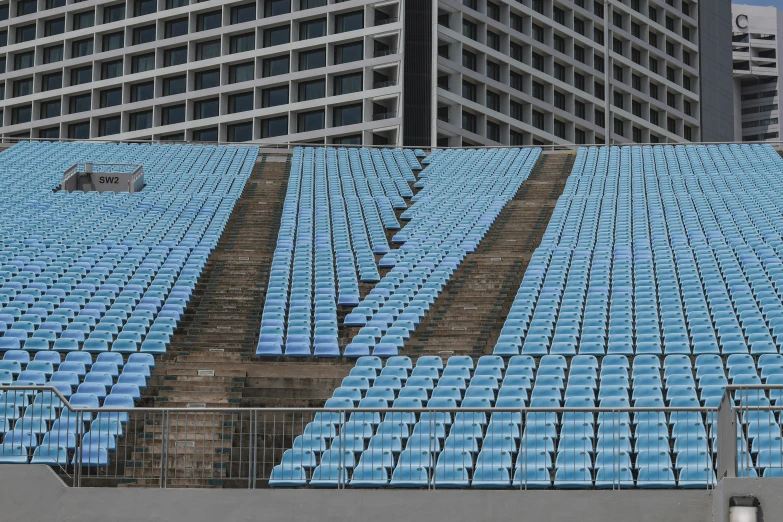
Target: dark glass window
111, 97
81, 48
277, 7
311, 4
274, 96
469, 122
207, 21
350, 52
240, 102
23, 87
178, 27
469, 90
52, 133
26, 7
469, 60
241, 72
79, 131
81, 103
205, 109
173, 114
111, 69
81, 75
312, 90
24, 60
243, 13
175, 56
347, 115
143, 62
83, 20
242, 43
25, 33
21, 114
276, 66
110, 125
210, 134
355, 139
207, 50
142, 91
140, 120
207, 79
113, 41
173, 4
4, 12
142, 35
349, 21
3, 38
277, 36
310, 121
144, 7
272, 127
312, 59
113, 13
347, 83
240, 131
174, 85
312, 29
52, 81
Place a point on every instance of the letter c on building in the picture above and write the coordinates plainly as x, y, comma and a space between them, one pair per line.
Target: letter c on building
741, 21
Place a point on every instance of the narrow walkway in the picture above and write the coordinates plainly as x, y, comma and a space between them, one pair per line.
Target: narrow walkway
467, 317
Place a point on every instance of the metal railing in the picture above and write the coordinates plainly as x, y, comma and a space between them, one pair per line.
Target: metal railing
384, 115
431, 448
385, 52
385, 21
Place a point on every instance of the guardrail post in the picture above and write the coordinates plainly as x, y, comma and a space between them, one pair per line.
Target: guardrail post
164, 447
727, 437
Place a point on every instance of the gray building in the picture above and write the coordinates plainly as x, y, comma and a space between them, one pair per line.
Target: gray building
413, 72
756, 47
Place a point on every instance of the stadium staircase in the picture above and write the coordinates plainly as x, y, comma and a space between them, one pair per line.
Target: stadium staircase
467, 317
207, 362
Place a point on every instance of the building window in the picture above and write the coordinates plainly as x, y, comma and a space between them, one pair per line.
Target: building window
469, 60
241, 72
538, 90
113, 13
559, 129
208, 79
83, 20
24, 60
207, 21
617, 72
26, 7
111, 69
275, 66
54, 27
144, 7
580, 110
493, 40
347, 84
538, 33
243, 13
517, 111
559, 72
111, 97
175, 28
206, 109
142, 91
208, 50
312, 59
350, 52
469, 91
277, 7
52, 81
493, 70
140, 120
143, 63
240, 132
81, 48
493, 131
25, 33
538, 62
240, 102
173, 4
272, 127
311, 4
175, 56
206, 135
469, 30
277, 36
347, 115
600, 118
493, 101
636, 82
559, 100
23, 87
113, 41
654, 117
21, 114
310, 121
312, 29
619, 100
173, 114
349, 22
636, 108
671, 125
52, 133
311, 90
469, 122
242, 43
558, 42
110, 125
81, 103
618, 127
355, 139
687, 133
636, 134
274, 96
81, 75
79, 131
174, 85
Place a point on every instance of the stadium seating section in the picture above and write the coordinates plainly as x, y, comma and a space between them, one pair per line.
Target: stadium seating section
656, 284
93, 285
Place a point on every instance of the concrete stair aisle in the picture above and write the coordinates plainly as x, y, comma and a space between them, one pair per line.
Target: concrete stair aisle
207, 361
468, 315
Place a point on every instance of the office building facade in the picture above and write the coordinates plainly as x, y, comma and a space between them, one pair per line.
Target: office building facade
412, 72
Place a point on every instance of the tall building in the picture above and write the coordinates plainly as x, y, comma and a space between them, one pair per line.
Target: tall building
413, 72
756, 47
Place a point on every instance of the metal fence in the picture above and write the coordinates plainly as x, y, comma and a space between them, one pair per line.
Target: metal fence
523, 448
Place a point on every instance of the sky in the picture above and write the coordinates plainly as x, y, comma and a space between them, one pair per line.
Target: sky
776, 3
